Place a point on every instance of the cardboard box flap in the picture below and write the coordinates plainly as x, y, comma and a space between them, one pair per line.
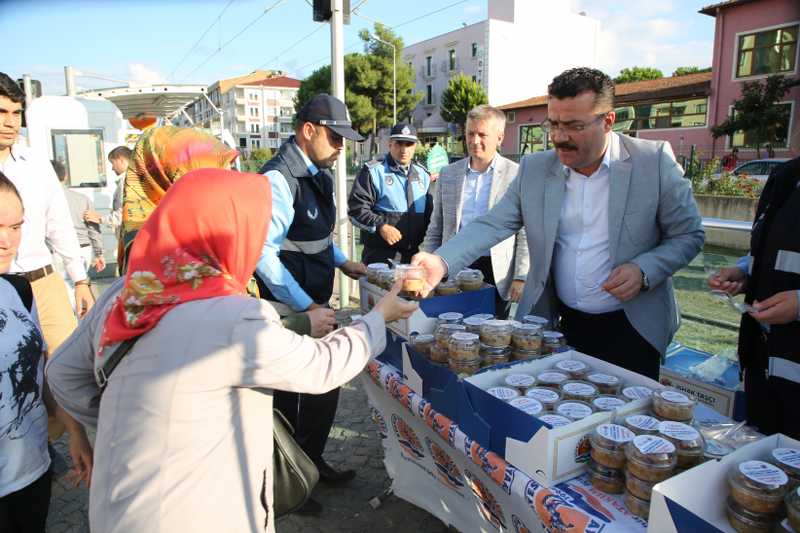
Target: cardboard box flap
497, 420
469, 303
393, 354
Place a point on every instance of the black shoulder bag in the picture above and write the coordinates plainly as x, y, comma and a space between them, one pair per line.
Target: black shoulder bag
294, 474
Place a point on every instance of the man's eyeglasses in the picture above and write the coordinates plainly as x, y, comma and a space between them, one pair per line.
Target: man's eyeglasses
571, 127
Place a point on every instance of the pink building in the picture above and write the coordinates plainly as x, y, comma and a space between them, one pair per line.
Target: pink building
753, 39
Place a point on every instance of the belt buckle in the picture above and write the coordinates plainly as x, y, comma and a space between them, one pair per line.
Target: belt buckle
100, 377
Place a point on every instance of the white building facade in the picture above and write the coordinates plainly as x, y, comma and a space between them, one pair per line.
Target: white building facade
256, 109
516, 52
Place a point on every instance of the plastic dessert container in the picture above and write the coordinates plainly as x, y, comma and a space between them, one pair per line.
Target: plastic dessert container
423, 343
373, 270
470, 280
758, 486
672, 404
527, 337
606, 383
547, 397
744, 521
606, 402
651, 458
573, 409
578, 390
496, 332
642, 424
574, 368
447, 288
551, 378
687, 440
605, 479
608, 445
521, 382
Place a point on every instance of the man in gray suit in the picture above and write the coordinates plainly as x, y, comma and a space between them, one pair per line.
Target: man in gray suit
470, 187
609, 220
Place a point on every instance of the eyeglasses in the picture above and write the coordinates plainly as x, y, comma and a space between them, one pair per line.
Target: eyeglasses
570, 127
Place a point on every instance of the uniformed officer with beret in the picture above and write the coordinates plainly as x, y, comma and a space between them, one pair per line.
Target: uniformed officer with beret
390, 201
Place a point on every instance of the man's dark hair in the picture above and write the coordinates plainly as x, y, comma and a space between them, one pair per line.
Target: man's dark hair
6, 185
574, 81
10, 89
60, 169
120, 152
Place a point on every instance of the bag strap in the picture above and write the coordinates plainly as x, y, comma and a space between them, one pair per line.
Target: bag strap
104, 372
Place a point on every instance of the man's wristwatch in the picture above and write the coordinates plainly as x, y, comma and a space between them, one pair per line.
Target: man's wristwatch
86, 282
645, 282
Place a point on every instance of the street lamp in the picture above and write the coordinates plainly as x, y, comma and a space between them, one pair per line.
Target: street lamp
394, 75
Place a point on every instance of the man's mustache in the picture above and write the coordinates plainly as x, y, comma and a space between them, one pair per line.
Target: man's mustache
565, 146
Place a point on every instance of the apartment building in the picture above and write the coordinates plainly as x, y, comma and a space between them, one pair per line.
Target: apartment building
257, 108
507, 54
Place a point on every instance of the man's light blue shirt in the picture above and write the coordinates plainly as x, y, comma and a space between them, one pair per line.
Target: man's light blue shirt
269, 268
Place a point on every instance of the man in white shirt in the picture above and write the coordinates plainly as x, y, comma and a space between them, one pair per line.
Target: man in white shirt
609, 220
470, 187
47, 222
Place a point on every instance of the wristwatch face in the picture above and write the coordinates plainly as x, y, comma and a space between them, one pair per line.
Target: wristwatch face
645, 281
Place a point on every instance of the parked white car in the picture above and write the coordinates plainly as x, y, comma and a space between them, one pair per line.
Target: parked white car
758, 168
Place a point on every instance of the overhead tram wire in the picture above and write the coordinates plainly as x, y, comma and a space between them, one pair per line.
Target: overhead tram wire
294, 44
238, 34
192, 49
353, 11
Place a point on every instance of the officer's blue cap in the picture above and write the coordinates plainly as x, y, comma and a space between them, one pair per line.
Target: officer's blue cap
327, 110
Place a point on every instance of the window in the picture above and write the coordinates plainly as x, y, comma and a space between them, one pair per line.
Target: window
474, 78
451, 60
428, 63
767, 52
744, 139
429, 95
658, 115
255, 144
81, 153
511, 116
474, 49
532, 138
255, 128
242, 142
254, 112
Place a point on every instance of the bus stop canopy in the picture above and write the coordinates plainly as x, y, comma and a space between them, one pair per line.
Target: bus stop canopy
150, 100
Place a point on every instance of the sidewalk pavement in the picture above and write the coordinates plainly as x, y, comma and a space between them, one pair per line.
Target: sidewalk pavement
353, 443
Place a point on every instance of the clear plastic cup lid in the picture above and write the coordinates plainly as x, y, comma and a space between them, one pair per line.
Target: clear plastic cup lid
603, 379
531, 406
504, 393
484, 316
555, 421
637, 392
571, 365
422, 338
788, 458
763, 475
451, 316
543, 395
378, 266
472, 321
533, 319
642, 422
519, 380
552, 377
464, 336
608, 403
553, 335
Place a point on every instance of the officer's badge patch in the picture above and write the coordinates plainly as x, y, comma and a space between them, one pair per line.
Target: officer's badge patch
389, 180
312, 216
406, 130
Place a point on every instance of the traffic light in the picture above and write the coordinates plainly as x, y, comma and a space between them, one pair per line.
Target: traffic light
322, 11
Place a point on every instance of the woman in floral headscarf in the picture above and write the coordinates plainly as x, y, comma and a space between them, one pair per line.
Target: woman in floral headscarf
184, 439
161, 156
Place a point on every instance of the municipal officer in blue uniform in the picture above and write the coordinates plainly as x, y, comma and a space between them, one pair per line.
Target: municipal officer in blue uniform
297, 265
390, 201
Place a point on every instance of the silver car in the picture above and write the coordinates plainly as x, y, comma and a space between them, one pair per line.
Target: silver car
757, 168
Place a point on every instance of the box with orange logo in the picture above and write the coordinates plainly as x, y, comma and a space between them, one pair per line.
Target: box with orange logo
548, 454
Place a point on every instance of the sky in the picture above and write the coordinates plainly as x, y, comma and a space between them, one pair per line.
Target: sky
200, 41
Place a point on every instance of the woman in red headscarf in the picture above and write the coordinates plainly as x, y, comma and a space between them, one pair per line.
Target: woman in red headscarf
184, 440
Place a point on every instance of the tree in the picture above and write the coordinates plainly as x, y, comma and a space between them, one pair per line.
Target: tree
368, 84
756, 112
461, 95
627, 75
683, 71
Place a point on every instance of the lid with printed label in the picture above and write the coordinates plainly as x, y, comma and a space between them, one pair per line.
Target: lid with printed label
504, 393
761, 475
580, 390
788, 459
637, 392
642, 424
603, 379
673, 396
482, 316
551, 378
611, 436
571, 365
716, 449
529, 405
520, 381
574, 409
652, 451
544, 395
607, 402
685, 437
555, 421
450, 317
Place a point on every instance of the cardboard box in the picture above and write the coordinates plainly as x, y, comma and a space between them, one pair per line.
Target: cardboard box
424, 319
726, 397
548, 455
695, 500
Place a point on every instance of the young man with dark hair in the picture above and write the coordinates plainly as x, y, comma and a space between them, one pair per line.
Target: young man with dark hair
119, 158
609, 220
47, 222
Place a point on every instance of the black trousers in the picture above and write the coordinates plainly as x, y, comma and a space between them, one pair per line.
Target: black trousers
612, 338
771, 403
25, 511
501, 306
376, 254
312, 417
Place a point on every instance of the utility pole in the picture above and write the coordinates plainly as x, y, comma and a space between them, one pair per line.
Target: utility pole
337, 85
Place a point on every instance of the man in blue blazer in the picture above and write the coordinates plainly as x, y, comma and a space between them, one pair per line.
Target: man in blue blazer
609, 219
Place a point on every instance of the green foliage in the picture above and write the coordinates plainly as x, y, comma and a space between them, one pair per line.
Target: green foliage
755, 111
638, 74
710, 181
261, 154
368, 83
461, 95
683, 71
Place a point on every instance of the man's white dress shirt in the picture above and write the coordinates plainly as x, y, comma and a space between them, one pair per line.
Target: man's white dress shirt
476, 193
582, 259
47, 219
